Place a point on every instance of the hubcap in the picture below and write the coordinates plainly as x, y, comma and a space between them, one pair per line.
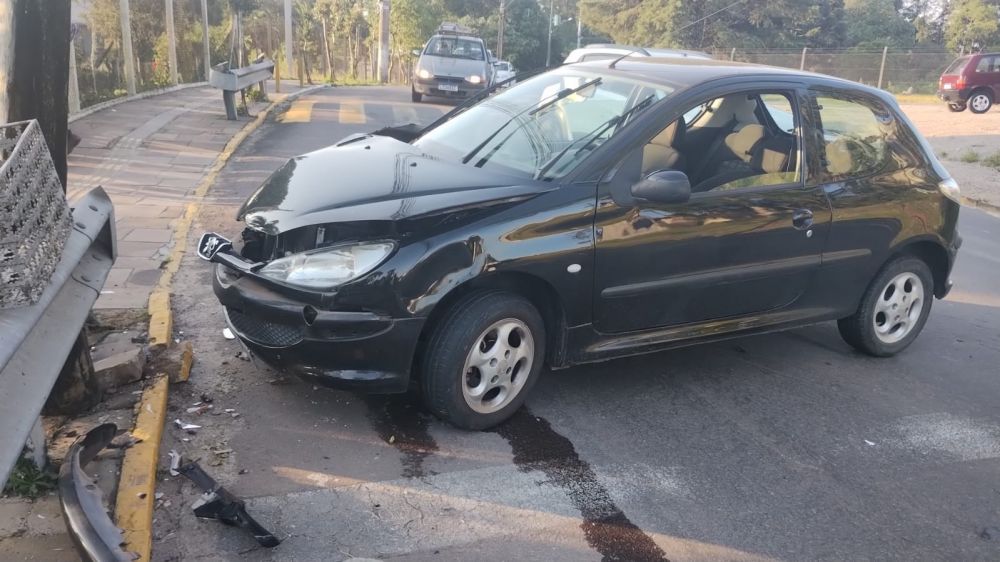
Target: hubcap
498, 365
980, 102
899, 307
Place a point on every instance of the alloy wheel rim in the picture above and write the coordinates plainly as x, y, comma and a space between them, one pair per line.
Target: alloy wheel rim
498, 365
899, 307
980, 102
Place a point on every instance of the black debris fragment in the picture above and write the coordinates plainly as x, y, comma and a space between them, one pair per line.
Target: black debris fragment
218, 503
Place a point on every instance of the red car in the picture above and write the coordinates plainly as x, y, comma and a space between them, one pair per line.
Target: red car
971, 81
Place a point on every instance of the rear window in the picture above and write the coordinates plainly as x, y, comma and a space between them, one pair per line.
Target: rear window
957, 66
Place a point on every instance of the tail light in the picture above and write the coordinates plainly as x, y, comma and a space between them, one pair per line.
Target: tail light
960, 83
949, 188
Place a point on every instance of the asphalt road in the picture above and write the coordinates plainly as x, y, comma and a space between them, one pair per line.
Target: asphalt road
787, 446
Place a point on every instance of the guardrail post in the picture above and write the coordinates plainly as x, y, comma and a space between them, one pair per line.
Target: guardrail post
881, 70
802, 63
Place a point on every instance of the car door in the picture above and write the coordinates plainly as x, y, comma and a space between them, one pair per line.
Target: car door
745, 247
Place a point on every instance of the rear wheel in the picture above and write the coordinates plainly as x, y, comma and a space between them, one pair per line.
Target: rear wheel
415, 97
893, 309
482, 359
956, 107
980, 101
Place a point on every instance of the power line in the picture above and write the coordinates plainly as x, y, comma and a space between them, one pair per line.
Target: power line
710, 15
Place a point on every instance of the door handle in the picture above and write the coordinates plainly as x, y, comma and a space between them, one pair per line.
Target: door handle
802, 219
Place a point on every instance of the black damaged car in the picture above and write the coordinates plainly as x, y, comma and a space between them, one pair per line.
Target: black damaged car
594, 211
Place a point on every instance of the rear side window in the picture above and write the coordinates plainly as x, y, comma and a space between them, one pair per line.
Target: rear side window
988, 65
957, 66
858, 137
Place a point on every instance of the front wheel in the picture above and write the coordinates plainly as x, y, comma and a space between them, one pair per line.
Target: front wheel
980, 102
956, 107
893, 309
415, 96
482, 359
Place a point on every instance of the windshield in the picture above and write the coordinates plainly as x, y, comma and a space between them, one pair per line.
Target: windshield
543, 127
455, 48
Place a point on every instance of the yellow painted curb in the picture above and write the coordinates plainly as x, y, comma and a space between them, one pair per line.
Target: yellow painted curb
161, 320
137, 483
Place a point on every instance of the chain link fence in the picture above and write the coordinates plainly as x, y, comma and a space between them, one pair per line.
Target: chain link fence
904, 71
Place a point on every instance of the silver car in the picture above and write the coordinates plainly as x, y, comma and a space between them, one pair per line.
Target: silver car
608, 51
451, 65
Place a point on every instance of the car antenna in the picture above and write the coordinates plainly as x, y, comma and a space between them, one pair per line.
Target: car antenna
614, 62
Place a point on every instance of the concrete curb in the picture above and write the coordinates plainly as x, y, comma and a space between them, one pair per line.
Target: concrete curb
982, 205
90, 110
137, 482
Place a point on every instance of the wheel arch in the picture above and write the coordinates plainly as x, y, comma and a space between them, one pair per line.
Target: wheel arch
934, 255
539, 292
986, 90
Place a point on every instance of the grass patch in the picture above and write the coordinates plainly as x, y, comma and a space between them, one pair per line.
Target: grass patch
993, 160
924, 99
29, 481
970, 156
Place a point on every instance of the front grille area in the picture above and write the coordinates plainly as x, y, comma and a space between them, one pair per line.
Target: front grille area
457, 80
264, 332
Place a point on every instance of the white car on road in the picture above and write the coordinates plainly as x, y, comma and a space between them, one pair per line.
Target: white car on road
609, 51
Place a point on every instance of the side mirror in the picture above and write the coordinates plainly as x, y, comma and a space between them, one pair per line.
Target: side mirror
415, 52
666, 186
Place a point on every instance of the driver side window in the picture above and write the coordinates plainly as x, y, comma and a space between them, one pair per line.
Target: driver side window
739, 141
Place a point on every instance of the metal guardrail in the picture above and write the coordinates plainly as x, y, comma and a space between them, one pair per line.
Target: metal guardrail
37, 334
232, 80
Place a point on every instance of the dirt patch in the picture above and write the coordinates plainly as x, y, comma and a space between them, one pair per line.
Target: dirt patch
959, 138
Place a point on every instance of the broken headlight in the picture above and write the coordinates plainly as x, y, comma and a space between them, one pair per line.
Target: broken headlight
326, 268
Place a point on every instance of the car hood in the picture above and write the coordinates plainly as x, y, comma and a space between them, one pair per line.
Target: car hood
452, 66
374, 178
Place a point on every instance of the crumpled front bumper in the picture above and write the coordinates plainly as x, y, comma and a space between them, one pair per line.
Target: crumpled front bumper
354, 350
95, 535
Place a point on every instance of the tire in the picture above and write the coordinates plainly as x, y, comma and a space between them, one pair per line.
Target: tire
464, 395
956, 107
414, 96
980, 101
888, 320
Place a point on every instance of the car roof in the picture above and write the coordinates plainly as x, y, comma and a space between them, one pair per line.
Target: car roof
687, 72
612, 49
456, 36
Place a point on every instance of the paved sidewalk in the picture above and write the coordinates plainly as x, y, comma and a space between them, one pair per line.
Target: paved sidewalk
150, 155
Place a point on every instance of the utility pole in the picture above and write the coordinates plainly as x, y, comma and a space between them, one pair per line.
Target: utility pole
288, 35
500, 28
383, 41
548, 44
171, 41
579, 29
74, 81
204, 37
126, 21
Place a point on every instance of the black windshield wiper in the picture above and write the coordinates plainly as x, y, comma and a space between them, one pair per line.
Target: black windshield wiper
596, 133
530, 111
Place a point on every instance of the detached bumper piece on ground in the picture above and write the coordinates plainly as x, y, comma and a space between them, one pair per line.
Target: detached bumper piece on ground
218, 503
95, 535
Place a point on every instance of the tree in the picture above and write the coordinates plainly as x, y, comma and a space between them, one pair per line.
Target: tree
876, 24
972, 24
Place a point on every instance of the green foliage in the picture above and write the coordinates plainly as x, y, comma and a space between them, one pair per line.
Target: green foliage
970, 156
972, 23
27, 480
993, 160
876, 24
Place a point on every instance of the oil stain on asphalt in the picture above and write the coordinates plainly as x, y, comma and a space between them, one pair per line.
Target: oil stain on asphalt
402, 423
536, 446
